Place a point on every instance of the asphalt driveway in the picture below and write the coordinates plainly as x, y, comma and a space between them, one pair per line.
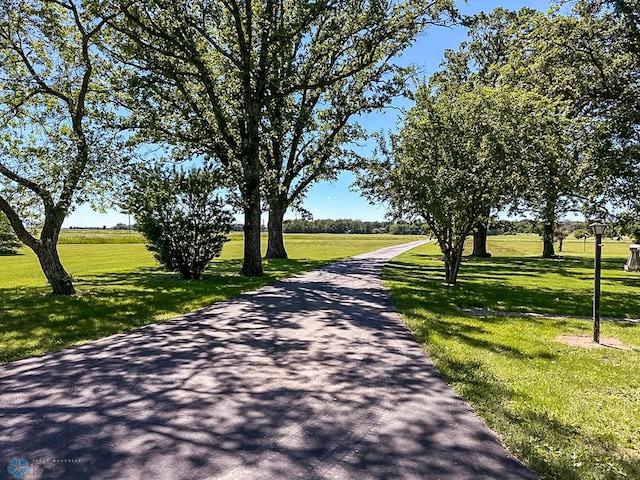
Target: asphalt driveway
315, 377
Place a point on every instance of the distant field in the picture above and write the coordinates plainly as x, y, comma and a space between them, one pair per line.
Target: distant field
569, 412
530, 244
75, 236
120, 286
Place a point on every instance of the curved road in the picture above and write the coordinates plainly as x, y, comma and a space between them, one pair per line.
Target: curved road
315, 377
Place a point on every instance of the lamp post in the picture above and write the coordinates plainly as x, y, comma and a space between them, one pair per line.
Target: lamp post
598, 229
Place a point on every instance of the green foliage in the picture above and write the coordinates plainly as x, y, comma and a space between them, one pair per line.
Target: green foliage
9, 243
404, 228
581, 233
605, 49
588, 60
568, 412
181, 216
627, 224
267, 89
57, 149
353, 226
459, 153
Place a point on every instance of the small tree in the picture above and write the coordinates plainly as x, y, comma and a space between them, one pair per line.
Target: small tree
181, 216
455, 155
9, 243
561, 233
580, 233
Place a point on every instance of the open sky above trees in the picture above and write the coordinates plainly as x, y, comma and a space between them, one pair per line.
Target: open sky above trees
334, 199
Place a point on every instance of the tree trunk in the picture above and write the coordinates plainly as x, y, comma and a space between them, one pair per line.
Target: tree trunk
275, 244
46, 248
452, 263
252, 262
480, 236
58, 278
480, 241
548, 251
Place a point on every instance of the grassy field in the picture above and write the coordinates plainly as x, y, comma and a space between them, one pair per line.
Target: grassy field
120, 286
568, 412
68, 236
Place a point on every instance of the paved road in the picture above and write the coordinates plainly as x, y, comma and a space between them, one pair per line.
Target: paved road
313, 378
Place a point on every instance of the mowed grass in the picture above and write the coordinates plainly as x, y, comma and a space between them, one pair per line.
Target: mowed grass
568, 412
121, 287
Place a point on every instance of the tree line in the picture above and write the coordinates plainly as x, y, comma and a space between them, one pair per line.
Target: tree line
353, 227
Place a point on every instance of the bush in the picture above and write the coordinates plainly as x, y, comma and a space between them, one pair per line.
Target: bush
9, 243
181, 216
580, 233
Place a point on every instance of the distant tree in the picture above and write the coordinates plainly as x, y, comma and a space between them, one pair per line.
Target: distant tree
181, 215
560, 234
329, 226
9, 243
404, 228
54, 106
580, 233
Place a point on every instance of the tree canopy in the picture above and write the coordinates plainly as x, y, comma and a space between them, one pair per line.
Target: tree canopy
457, 153
266, 89
55, 142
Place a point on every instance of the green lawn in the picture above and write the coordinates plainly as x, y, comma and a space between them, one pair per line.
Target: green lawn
99, 236
120, 286
568, 412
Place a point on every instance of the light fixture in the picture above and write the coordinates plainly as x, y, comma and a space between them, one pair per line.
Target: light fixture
598, 227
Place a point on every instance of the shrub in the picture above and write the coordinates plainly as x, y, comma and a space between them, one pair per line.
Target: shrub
181, 216
580, 233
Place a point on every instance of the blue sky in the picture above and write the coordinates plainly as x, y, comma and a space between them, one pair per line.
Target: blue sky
334, 199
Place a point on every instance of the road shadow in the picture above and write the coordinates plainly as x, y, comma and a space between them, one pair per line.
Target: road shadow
111, 303
483, 283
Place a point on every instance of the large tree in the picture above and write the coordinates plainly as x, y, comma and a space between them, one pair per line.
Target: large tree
478, 62
53, 104
266, 88
601, 49
541, 62
345, 71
